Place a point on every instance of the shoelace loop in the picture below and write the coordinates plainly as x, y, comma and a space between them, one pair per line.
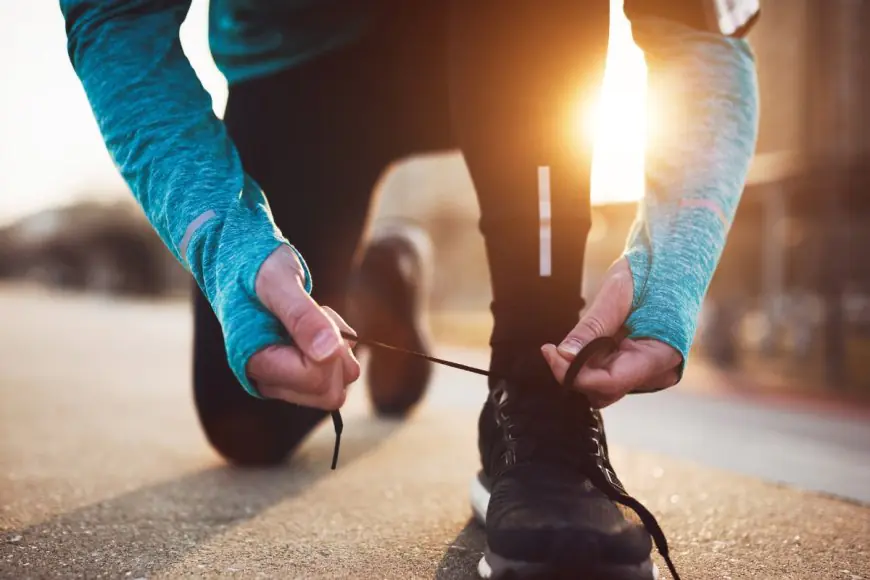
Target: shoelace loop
601, 345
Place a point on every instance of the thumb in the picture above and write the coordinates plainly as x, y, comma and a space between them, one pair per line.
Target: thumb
607, 313
280, 289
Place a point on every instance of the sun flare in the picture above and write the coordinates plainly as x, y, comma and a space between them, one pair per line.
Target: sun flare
618, 122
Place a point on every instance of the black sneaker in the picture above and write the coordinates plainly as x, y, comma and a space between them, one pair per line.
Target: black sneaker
386, 303
547, 490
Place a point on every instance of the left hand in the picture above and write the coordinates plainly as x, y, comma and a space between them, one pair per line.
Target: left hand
637, 365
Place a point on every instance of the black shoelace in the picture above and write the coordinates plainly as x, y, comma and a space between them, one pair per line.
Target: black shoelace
596, 476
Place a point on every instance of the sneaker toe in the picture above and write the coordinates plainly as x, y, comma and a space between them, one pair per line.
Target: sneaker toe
566, 522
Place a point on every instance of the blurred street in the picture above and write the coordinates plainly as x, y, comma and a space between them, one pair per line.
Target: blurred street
104, 471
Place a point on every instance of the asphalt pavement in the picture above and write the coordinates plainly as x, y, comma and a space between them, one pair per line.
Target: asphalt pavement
104, 472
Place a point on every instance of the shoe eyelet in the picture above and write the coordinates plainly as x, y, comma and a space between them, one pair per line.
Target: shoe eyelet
508, 458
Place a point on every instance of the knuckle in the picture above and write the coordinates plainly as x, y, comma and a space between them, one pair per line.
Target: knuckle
293, 313
267, 391
334, 399
320, 388
355, 372
603, 402
596, 402
278, 393
254, 368
261, 364
610, 390
594, 389
593, 325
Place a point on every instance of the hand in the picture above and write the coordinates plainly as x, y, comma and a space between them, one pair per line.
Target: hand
317, 369
637, 364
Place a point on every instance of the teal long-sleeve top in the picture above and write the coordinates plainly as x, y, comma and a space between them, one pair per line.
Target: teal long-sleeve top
184, 171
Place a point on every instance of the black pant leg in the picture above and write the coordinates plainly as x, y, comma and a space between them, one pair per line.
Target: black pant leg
313, 150
316, 138
518, 71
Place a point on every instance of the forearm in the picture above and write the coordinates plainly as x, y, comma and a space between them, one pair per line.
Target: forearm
176, 156
696, 171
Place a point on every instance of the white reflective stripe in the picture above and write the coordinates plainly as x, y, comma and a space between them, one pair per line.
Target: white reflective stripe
544, 212
191, 229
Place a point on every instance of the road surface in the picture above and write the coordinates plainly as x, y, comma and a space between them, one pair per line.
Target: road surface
105, 474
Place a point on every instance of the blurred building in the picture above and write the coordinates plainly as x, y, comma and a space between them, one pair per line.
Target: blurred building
99, 247
794, 271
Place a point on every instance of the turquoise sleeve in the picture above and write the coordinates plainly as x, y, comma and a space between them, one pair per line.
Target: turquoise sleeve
696, 169
175, 154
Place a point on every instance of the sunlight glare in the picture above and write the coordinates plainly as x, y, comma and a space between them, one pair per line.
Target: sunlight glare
618, 122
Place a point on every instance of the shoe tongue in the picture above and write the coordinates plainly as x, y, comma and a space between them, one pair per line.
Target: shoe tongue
539, 397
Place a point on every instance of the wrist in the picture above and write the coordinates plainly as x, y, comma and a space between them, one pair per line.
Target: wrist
668, 314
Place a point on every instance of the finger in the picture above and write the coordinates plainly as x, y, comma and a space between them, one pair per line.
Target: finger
332, 391
350, 364
663, 381
286, 365
655, 363
280, 289
342, 324
281, 393
605, 316
621, 372
669, 357
328, 402
626, 371
597, 379
559, 366
603, 401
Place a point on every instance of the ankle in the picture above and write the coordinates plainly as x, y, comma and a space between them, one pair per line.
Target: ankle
520, 362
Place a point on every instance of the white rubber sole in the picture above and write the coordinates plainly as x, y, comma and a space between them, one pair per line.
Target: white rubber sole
479, 500
483, 569
494, 566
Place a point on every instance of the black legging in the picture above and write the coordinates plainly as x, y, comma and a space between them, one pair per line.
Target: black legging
498, 79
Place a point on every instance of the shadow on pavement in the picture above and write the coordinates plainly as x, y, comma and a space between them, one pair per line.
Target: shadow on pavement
144, 531
463, 553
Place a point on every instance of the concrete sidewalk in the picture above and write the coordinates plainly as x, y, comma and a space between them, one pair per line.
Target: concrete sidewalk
105, 474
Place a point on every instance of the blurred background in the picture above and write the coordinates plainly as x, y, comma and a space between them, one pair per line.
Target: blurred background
106, 473
789, 307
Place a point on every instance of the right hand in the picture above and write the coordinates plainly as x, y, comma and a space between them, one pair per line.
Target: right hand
317, 369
